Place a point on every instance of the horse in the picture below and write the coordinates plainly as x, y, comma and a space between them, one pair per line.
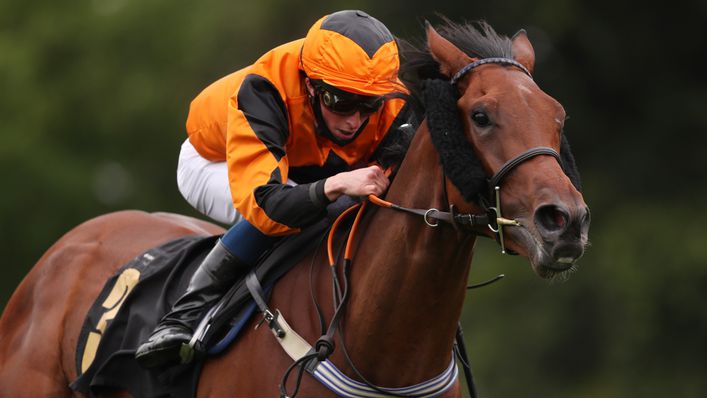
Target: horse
498, 167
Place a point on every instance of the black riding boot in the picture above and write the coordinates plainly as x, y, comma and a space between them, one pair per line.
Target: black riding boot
215, 275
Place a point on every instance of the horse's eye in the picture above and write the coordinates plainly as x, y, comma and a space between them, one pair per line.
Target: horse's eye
480, 118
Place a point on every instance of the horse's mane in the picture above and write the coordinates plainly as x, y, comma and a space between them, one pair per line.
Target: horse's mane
394, 146
477, 39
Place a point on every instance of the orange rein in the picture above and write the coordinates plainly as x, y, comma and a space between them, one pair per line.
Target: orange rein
332, 231
349, 243
354, 228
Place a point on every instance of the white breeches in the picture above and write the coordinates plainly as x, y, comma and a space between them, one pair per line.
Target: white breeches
204, 184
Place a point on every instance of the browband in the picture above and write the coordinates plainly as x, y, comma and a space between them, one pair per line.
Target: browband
496, 60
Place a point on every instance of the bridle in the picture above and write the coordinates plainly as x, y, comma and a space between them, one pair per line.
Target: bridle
492, 217
494, 183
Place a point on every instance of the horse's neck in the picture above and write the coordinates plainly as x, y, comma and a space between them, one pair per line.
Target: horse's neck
408, 279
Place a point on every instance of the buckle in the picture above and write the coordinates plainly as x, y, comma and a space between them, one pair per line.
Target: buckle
273, 324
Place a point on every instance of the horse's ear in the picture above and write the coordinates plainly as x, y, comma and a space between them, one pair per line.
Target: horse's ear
450, 58
522, 50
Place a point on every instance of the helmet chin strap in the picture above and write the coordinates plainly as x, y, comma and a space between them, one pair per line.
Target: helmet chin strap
322, 128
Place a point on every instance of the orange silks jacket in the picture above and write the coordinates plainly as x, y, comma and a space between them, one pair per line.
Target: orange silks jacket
260, 121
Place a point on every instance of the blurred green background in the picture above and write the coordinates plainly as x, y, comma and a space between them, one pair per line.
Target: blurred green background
94, 95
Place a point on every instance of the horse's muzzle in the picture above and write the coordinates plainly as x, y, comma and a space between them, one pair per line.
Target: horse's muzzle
563, 234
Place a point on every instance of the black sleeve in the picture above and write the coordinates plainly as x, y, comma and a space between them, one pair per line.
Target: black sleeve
296, 206
266, 113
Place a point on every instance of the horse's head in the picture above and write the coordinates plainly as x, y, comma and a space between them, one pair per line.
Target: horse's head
516, 132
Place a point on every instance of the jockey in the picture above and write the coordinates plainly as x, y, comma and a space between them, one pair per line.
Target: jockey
272, 144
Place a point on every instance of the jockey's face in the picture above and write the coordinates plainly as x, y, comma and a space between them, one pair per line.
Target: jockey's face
343, 127
345, 118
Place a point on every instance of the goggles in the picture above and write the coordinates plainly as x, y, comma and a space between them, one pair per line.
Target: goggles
345, 103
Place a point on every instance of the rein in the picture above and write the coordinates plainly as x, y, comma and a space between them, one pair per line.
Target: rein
492, 218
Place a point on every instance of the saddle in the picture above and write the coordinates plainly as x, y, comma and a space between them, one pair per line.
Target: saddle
134, 300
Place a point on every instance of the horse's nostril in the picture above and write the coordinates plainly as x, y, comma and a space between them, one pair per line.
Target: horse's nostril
551, 218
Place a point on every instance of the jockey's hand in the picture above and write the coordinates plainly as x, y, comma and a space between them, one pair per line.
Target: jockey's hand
360, 182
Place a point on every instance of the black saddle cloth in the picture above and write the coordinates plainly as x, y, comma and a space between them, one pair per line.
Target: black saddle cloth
164, 274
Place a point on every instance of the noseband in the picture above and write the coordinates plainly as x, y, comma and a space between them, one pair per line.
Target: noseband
495, 189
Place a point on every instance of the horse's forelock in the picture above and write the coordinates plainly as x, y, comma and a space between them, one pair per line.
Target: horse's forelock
477, 39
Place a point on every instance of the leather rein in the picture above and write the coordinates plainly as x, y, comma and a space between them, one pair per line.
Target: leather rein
492, 218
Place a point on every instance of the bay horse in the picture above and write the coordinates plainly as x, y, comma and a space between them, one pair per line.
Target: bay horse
409, 272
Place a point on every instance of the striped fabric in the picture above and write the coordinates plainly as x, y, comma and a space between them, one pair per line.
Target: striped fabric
344, 386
